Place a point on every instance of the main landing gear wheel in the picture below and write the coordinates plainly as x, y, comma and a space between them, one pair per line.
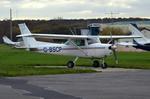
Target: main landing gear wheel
96, 63
70, 64
104, 66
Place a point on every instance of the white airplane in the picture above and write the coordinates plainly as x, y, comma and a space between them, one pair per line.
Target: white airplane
14, 44
139, 43
76, 45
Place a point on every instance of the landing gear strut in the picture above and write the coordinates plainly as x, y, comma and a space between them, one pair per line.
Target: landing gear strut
71, 64
101, 64
104, 66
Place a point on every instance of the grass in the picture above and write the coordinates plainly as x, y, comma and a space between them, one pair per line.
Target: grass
11, 71
132, 60
17, 57
137, 60
17, 62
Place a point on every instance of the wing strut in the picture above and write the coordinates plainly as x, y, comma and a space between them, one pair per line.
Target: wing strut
78, 47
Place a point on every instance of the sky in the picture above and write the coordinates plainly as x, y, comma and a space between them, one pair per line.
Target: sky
73, 9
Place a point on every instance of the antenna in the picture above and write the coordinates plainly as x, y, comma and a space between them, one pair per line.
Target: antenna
11, 35
111, 16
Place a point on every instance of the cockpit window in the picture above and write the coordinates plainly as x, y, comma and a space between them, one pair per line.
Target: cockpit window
77, 42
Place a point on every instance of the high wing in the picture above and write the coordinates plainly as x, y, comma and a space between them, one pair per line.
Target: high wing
55, 36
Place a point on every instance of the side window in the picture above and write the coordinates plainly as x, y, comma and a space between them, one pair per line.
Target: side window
80, 42
77, 42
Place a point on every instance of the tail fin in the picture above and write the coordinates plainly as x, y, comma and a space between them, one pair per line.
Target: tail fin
28, 41
135, 31
8, 41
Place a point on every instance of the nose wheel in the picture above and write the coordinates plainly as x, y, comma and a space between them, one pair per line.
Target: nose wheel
104, 66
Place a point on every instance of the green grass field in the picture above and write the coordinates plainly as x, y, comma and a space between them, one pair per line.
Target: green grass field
135, 60
17, 62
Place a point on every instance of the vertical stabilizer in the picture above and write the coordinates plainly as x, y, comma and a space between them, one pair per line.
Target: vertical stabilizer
135, 31
28, 41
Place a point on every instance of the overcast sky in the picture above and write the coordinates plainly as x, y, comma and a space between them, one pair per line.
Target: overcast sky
71, 9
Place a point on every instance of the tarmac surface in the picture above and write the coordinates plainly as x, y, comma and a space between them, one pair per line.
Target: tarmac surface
108, 84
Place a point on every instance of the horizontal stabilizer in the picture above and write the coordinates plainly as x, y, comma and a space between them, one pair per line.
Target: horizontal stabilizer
8, 41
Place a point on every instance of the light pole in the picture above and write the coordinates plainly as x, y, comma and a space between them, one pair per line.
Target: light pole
11, 35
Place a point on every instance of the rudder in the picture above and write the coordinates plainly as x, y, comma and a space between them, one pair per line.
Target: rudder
135, 31
28, 41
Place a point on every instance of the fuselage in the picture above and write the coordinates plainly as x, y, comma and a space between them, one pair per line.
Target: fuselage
96, 50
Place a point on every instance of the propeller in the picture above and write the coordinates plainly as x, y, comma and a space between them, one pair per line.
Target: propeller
113, 47
111, 39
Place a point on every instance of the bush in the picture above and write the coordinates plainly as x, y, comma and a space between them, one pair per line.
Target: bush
113, 31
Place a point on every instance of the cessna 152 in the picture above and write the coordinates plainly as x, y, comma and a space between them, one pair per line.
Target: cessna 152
76, 45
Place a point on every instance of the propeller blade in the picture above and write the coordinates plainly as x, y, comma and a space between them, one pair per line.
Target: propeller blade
111, 39
113, 48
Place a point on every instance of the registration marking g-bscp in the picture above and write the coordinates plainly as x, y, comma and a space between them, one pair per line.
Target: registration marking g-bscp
52, 49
